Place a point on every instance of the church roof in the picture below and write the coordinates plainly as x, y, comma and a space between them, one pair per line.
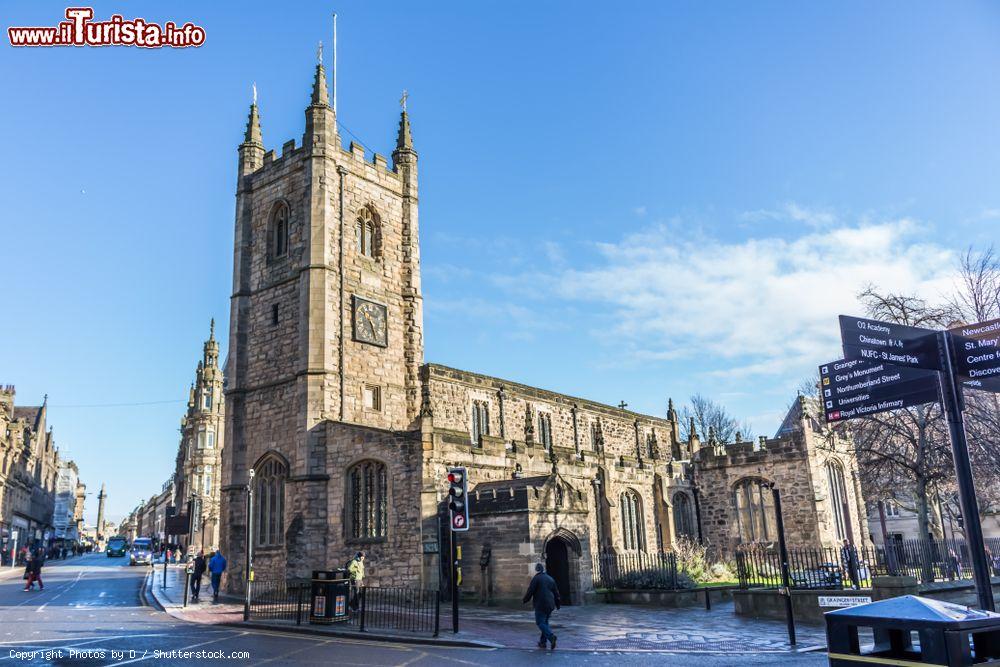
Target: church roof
31, 414
792, 423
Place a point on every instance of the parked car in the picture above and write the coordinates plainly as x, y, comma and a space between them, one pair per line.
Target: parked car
117, 546
141, 552
823, 576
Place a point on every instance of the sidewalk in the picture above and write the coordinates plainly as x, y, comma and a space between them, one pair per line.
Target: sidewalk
230, 612
599, 627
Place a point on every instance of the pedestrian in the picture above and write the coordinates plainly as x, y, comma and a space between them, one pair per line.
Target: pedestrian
356, 574
544, 594
849, 559
954, 565
166, 557
34, 570
197, 572
28, 580
216, 566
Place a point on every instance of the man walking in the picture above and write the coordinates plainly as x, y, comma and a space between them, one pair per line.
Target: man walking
216, 566
197, 572
545, 595
34, 570
849, 559
356, 573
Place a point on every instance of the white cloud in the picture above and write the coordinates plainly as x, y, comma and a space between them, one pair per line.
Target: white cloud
794, 212
760, 307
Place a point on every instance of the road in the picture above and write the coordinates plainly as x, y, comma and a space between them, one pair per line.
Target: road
91, 613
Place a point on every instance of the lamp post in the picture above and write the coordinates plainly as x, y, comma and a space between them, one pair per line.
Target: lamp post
783, 554
249, 546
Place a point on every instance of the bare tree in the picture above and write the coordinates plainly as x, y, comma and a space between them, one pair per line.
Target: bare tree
711, 416
910, 448
977, 294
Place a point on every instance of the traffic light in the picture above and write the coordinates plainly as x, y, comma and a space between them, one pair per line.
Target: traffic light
458, 505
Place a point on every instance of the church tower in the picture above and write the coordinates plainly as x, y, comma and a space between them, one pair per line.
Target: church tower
199, 457
326, 327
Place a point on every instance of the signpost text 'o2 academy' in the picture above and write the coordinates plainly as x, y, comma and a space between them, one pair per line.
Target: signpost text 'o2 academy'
856, 388
895, 344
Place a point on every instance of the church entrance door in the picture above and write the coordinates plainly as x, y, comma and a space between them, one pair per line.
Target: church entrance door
557, 565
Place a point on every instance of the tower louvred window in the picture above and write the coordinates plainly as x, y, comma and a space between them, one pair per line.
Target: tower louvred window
368, 234
279, 231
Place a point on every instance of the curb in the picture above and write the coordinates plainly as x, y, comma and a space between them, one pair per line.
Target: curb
367, 636
145, 596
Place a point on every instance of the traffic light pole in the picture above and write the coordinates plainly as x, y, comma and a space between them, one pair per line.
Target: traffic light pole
453, 551
963, 474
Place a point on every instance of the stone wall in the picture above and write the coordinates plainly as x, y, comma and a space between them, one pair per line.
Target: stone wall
796, 462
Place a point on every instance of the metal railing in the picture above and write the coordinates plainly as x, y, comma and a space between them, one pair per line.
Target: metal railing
370, 607
398, 608
636, 571
279, 600
758, 566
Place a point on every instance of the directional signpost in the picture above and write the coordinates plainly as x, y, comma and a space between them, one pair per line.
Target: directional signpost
977, 355
856, 388
890, 366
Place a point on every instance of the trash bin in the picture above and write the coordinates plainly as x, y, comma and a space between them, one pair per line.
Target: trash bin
911, 630
330, 594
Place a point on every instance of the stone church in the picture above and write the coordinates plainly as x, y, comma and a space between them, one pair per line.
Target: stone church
349, 432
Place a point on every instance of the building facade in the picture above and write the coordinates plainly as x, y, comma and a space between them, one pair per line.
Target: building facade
29, 462
349, 433
199, 457
67, 517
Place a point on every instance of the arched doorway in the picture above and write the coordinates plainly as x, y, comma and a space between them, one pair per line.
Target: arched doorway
557, 565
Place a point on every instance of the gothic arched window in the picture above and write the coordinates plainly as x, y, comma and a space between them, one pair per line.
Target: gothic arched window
279, 231
367, 233
367, 501
480, 421
838, 499
633, 527
754, 510
683, 523
269, 497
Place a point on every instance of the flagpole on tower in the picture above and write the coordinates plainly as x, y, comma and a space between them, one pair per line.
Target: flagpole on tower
335, 62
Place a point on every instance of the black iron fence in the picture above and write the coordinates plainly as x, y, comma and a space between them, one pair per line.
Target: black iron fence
758, 566
279, 600
636, 571
371, 608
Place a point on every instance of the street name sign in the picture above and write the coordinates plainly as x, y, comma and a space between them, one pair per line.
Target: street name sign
843, 600
857, 388
895, 344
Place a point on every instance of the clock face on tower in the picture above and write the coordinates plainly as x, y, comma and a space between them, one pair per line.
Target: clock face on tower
370, 322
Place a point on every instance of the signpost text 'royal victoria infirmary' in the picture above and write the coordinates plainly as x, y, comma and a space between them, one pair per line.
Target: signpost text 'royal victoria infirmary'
350, 434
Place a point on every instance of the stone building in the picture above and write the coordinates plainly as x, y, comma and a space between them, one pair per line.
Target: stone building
811, 465
29, 462
66, 515
199, 457
349, 433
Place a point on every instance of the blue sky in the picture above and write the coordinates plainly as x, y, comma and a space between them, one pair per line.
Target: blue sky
622, 202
